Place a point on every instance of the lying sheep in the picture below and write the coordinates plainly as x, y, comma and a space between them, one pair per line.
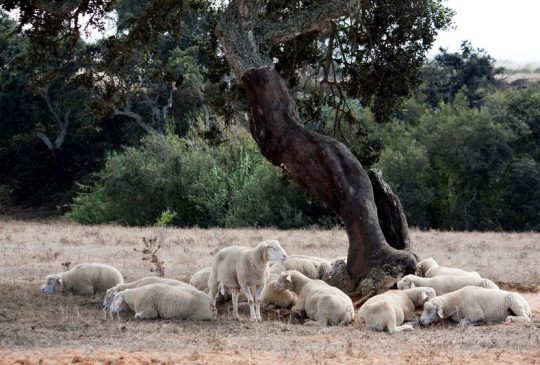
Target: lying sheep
109, 296
166, 302
200, 279
311, 266
271, 298
83, 279
390, 309
445, 283
321, 302
429, 268
339, 277
472, 304
242, 268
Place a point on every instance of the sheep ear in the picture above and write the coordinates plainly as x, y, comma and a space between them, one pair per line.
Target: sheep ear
61, 281
423, 296
440, 312
414, 286
289, 278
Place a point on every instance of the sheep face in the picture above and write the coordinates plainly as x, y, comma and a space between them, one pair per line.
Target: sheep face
432, 312
109, 297
118, 305
405, 283
53, 284
337, 267
283, 282
274, 251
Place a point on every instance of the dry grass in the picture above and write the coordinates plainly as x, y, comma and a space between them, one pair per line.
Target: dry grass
70, 329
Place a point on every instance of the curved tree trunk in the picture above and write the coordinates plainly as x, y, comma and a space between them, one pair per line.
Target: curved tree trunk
319, 164
322, 166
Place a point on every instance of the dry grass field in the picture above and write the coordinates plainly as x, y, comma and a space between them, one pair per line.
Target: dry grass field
39, 329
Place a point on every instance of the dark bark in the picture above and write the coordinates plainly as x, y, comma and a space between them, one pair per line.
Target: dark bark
322, 166
59, 165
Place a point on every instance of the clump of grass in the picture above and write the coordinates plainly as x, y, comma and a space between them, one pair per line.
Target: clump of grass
150, 253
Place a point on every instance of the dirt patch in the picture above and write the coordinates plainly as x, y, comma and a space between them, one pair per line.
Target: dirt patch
40, 329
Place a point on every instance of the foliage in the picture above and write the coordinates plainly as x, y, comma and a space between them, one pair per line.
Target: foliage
472, 71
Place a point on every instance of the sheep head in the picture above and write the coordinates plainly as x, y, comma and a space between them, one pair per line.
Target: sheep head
53, 284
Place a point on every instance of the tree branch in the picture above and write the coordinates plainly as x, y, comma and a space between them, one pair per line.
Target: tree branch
43, 138
309, 20
136, 117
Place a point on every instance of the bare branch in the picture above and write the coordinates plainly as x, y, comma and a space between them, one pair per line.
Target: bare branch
44, 93
43, 138
63, 130
137, 118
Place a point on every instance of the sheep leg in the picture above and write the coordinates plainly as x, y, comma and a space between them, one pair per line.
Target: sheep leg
235, 293
403, 327
517, 308
146, 314
251, 302
258, 295
392, 323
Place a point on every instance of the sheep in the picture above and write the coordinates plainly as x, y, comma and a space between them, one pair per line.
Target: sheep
322, 303
270, 298
472, 304
242, 268
111, 292
390, 309
311, 266
444, 283
200, 279
429, 268
339, 277
166, 302
83, 279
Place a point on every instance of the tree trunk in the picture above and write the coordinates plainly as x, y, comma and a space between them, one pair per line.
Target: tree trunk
325, 168
59, 163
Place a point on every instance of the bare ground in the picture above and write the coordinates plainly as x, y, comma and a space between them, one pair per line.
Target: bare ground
39, 329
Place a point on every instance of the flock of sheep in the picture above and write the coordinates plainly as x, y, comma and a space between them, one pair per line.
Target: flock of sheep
266, 276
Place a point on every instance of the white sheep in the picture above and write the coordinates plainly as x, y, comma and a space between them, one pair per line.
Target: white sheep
321, 302
445, 283
83, 279
166, 302
200, 279
246, 269
109, 296
311, 266
429, 268
472, 304
390, 309
271, 298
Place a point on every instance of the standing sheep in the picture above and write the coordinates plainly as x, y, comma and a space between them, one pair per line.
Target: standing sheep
83, 279
390, 309
109, 296
166, 302
429, 268
472, 304
243, 268
445, 283
321, 302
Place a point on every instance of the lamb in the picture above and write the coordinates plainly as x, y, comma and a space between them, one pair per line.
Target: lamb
311, 266
166, 302
444, 283
83, 279
429, 268
109, 296
472, 304
321, 302
242, 268
390, 309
